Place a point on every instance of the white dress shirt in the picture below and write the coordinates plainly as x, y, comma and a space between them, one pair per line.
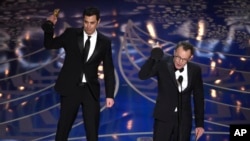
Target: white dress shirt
185, 78
184, 83
91, 49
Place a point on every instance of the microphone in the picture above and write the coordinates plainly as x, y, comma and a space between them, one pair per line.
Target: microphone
180, 79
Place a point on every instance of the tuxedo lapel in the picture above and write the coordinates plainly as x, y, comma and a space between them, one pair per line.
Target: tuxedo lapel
97, 46
172, 72
189, 76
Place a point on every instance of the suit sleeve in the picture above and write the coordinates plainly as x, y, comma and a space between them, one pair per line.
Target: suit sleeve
199, 99
109, 75
49, 41
150, 67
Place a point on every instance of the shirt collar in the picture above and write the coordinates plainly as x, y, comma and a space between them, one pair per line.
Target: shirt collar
92, 35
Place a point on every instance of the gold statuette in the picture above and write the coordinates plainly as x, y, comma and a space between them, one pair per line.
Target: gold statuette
56, 12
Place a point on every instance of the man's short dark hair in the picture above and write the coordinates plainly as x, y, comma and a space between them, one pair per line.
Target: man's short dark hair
186, 46
90, 11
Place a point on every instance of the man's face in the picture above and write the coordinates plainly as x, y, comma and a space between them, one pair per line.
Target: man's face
90, 24
181, 57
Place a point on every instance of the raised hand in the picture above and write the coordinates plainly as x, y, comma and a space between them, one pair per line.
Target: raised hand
156, 45
53, 17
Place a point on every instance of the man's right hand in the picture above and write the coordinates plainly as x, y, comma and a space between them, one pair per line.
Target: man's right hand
156, 45
52, 18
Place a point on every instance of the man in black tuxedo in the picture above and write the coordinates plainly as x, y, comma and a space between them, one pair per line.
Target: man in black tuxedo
77, 82
178, 81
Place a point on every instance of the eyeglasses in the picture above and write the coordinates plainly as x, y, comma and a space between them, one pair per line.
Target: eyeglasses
178, 58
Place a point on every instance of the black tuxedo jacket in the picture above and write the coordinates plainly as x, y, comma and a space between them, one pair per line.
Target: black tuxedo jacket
71, 72
167, 100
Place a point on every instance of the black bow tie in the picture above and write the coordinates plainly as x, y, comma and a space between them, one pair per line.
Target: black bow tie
181, 70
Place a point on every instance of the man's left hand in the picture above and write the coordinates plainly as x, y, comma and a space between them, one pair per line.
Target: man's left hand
109, 102
198, 132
